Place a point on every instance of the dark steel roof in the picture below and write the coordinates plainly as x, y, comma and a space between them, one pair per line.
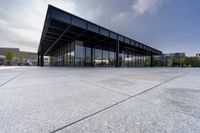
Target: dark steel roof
61, 27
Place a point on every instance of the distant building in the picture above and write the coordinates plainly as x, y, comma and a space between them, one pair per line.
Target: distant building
165, 57
175, 55
2, 58
198, 55
28, 58
46, 61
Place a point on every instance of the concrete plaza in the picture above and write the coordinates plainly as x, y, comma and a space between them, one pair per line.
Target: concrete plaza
117, 100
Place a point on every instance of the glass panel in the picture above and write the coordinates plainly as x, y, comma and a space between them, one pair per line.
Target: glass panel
139, 64
133, 61
72, 54
59, 57
140, 61
80, 54
130, 60
136, 61
88, 61
147, 61
98, 57
66, 58
68, 55
105, 58
126, 60
121, 59
111, 59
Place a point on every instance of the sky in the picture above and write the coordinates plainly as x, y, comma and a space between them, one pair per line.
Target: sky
167, 25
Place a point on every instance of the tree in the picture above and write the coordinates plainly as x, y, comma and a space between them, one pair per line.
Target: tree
10, 56
21, 60
171, 62
183, 61
190, 61
147, 62
157, 63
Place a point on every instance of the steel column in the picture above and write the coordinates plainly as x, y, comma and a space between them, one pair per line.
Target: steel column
41, 60
151, 59
38, 60
117, 54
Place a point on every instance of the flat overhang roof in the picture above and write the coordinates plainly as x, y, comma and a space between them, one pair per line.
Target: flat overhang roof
61, 27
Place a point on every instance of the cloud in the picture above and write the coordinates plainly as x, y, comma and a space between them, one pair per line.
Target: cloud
94, 14
18, 45
68, 6
22, 24
140, 7
3, 23
121, 16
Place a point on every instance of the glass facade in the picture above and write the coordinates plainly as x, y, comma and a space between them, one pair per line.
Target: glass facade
88, 57
98, 57
78, 54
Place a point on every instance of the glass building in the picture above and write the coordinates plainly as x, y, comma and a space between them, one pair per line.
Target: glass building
74, 42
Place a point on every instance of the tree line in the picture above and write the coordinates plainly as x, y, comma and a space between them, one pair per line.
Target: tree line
10, 55
184, 62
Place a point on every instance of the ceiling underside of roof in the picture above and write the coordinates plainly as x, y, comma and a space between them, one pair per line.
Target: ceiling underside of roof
57, 33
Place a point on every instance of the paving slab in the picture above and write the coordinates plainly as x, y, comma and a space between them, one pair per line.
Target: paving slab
27, 80
136, 116
129, 87
181, 94
7, 74
125, 80
43, 108
35, 99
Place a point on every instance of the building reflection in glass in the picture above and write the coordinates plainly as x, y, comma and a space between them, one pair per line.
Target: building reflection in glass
79, 54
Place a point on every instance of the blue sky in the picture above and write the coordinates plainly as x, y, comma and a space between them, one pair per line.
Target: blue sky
168, 25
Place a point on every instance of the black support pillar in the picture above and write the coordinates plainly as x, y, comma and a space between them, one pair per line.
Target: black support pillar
41, 60
38, 60
117, 54
92, 57
151, 59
